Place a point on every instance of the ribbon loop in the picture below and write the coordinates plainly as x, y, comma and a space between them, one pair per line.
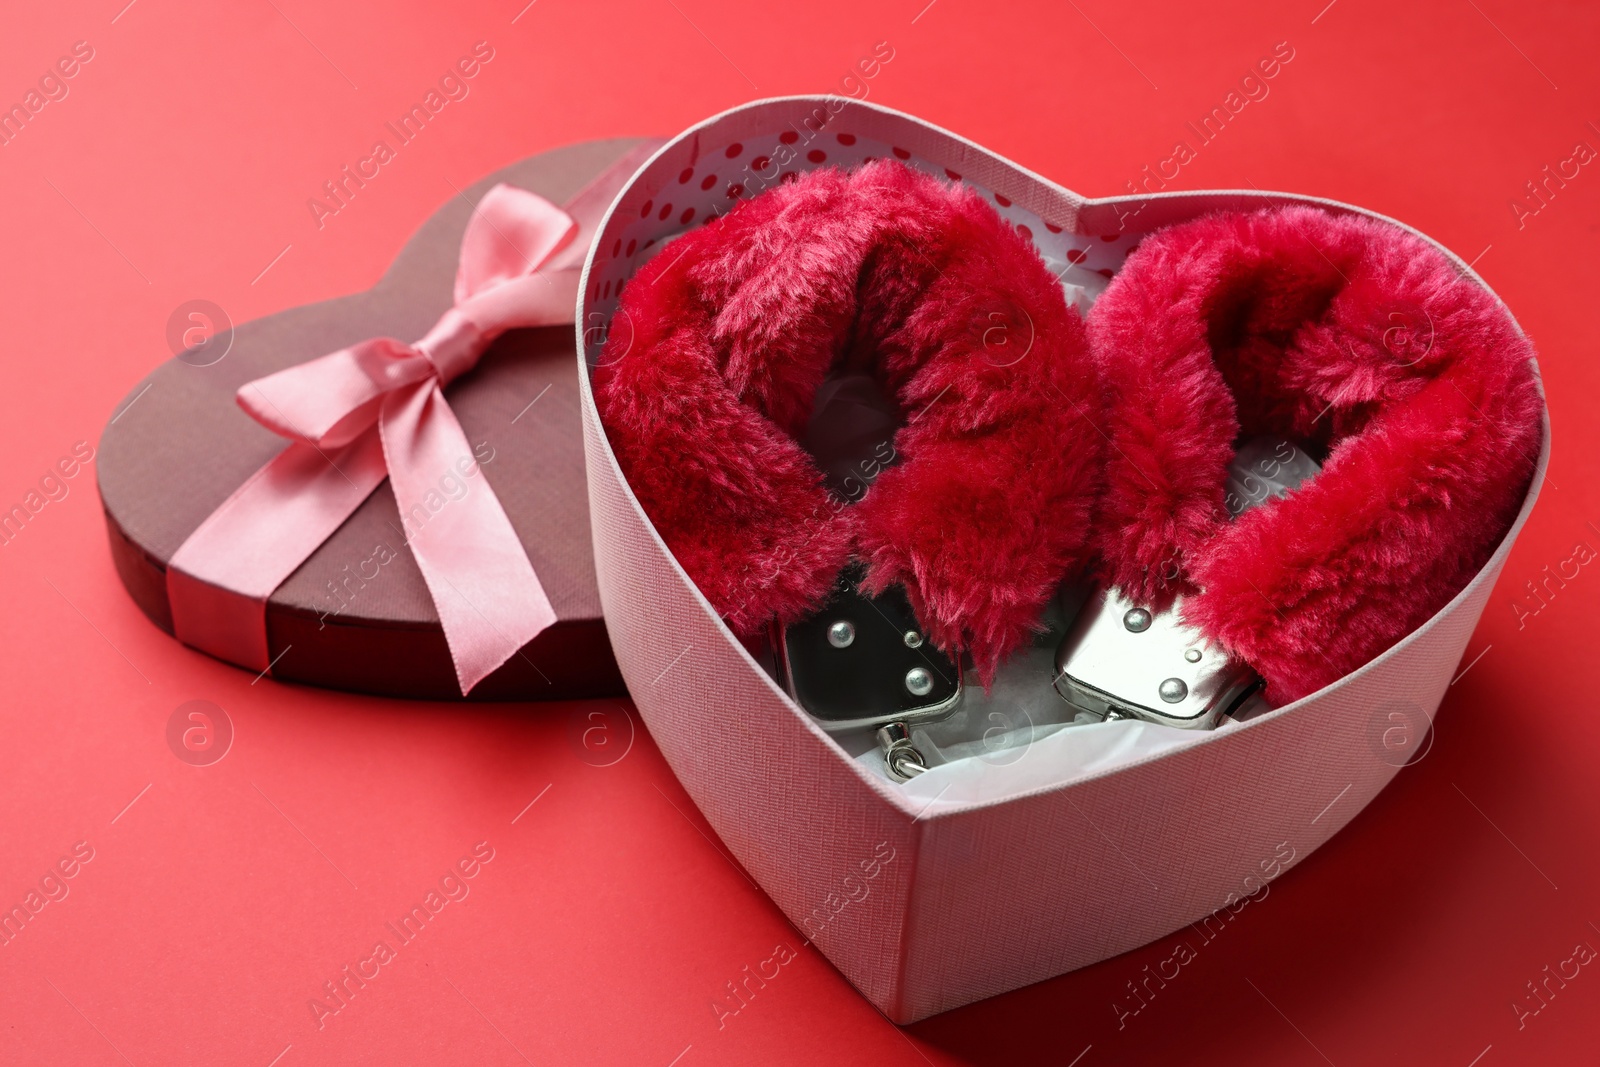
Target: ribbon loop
329, 402
512, 233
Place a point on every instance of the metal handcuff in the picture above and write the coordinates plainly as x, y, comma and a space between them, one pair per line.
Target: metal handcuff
862, 662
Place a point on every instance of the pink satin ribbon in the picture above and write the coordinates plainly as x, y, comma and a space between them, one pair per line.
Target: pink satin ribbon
376, 410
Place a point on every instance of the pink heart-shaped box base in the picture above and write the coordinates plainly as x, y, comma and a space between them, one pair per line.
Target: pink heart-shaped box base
927, 901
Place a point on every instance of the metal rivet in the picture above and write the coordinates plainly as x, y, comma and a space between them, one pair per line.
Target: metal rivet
1173, 690
841, 634
913, 639
919, 683
1137, 620
1193, 655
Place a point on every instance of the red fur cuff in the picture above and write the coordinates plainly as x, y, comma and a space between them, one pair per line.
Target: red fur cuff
1353, 337
887, 271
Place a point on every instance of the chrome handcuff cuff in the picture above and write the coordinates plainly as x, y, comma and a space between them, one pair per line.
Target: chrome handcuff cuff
862, 662
1121, 660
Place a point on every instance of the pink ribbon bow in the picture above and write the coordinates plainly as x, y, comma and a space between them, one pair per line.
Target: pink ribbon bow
376, 410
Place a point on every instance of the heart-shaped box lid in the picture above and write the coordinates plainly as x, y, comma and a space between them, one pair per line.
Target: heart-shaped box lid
357, 614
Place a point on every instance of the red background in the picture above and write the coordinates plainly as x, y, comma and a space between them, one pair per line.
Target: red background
218, 903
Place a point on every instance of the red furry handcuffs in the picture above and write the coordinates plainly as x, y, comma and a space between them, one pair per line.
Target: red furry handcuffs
1358, 340
889, 272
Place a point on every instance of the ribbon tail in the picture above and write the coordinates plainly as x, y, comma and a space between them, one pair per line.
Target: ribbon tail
220, 578
489, 599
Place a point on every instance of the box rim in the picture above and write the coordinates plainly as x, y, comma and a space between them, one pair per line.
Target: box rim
897, 797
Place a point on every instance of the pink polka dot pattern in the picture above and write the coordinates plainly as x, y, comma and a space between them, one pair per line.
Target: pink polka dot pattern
715, 179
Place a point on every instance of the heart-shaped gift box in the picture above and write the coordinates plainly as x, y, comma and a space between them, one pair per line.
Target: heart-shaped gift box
357, 614
981, 875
